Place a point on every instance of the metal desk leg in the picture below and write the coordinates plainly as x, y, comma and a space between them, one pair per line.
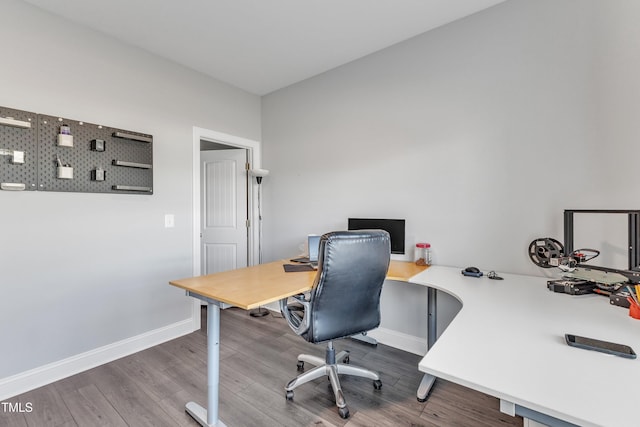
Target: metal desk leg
432, 330
209, 418
425, 387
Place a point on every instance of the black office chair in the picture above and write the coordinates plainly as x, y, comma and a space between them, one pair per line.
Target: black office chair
344, 301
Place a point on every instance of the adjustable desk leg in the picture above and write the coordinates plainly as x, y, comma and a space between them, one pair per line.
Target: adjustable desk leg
209, 417
432, 330
425, 387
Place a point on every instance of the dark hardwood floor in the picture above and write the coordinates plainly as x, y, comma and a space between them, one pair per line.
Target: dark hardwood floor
258, 357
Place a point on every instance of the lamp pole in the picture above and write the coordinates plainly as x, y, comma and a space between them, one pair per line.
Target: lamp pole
259, 174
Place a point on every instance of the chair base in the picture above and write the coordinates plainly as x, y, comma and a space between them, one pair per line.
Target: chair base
332, 366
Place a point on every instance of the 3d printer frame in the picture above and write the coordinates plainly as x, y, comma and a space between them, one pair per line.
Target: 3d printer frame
632, 273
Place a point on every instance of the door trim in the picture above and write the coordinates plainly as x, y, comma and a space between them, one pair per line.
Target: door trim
254, 156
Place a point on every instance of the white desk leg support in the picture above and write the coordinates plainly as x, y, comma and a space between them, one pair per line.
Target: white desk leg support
209, 417
432, 332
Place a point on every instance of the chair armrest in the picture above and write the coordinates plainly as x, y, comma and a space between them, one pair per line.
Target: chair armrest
297, 322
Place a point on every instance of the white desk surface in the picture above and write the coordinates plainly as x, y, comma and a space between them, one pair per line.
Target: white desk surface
508, 341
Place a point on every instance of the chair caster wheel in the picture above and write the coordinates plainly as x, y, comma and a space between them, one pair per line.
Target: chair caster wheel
289, 394
300, 366
421, 400
346, 360
344, 412
377, 384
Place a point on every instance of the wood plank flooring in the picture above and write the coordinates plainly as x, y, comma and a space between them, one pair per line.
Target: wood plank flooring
258, 357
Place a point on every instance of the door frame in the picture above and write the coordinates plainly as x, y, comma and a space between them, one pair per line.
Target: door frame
254, 157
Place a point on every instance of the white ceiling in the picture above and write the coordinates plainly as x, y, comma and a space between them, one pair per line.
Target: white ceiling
262, 45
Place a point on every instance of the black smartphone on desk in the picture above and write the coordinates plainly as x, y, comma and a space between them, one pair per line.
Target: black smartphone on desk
599, 345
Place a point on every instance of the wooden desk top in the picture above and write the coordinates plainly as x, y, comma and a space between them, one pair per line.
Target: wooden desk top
254, 286
402, 271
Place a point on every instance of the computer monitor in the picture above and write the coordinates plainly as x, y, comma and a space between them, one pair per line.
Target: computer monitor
395, 228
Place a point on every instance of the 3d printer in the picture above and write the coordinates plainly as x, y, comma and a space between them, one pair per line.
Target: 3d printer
579, 278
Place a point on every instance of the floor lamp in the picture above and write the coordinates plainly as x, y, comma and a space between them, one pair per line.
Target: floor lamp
259, 174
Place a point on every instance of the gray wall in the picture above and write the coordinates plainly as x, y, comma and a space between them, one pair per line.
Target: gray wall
479, 133
82, 271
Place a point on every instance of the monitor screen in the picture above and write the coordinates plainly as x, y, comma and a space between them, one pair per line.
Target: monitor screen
395, 228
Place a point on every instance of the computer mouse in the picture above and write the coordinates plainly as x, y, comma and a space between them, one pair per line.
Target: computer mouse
472, 270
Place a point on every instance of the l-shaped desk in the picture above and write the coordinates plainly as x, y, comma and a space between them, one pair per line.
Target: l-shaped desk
507, 341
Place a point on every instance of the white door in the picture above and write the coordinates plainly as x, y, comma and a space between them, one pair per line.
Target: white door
224, 210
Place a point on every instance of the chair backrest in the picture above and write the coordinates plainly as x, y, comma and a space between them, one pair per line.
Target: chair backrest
345, 299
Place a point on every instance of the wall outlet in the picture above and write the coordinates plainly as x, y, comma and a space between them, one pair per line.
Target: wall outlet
169, 221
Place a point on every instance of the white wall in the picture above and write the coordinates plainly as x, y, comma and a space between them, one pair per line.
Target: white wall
615, 40
479, 133
84, 271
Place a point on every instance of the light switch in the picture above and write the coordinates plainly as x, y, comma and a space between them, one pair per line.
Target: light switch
169, 221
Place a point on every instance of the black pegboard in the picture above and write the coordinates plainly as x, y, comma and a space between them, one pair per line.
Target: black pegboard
39, 143
84, 160
19, 139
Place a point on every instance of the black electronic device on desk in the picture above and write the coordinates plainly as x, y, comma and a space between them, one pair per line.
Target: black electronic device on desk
585, 343
395, 228
579, 275
546, 252
571, 286
472, 272
620, 298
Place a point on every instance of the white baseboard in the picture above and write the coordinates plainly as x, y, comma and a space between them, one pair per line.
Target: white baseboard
43, 375
395, 339
399, 340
